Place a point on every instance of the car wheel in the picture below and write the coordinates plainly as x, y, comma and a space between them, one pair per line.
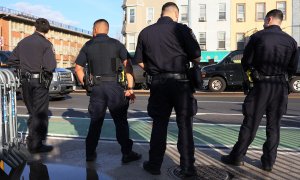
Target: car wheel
217, 84
295, 85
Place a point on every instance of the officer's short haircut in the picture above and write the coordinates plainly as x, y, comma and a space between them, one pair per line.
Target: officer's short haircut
167, 5
42, 25
276, 13
101, 21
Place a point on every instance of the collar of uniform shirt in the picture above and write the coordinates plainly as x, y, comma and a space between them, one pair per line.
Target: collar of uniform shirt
273, 27
38, 33
101, 35
165, 19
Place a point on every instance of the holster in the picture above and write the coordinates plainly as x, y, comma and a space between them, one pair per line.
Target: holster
45, 78
88, 84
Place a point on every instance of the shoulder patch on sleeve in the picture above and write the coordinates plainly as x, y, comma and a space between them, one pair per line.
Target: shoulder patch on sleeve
53, 49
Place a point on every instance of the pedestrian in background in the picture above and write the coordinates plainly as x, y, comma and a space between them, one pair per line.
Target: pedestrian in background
165, 50
35, 56
271, 55
102, 54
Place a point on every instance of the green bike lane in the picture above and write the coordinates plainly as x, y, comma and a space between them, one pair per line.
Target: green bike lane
212, 135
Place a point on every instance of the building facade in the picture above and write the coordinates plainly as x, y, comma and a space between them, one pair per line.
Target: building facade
138, 14
67, 40
210, 22
247, 17
296, 21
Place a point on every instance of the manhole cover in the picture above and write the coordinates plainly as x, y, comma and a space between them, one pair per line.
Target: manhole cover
203, 172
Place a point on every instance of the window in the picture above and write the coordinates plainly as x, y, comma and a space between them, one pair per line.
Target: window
240, 12
281, 5
131, 42
240, 41
222, 11
202, 40
131, 15
150, 15
221, 40
184, 13
202, 17
260, 11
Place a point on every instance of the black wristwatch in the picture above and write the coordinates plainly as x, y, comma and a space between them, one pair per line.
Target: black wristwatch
129, 88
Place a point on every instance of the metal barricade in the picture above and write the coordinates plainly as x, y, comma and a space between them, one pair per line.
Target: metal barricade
12, 147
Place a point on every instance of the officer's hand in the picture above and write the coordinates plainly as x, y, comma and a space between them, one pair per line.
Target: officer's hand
130, 95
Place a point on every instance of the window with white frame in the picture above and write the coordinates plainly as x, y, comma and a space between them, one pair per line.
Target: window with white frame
222, 11
260, 11
202, 40
184, 13
221, 39
240, 41
131, 15
281, 5
202, 17
131, 42
240, 12
150, 15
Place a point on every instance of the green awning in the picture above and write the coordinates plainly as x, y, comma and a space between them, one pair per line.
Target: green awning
216, 55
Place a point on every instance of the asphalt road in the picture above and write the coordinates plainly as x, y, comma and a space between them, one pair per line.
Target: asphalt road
212, 108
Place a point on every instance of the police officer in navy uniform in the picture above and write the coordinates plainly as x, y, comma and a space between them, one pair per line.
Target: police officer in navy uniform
36, 59
164, 50
103, 52
271, 55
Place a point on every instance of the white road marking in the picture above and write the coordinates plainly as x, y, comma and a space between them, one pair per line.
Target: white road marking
148, 120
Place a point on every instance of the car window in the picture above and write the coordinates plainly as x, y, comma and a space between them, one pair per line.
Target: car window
237, 58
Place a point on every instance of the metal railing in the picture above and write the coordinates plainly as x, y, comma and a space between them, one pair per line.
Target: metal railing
52, 23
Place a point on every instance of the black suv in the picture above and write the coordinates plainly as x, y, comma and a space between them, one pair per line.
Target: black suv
62, 83
228, 72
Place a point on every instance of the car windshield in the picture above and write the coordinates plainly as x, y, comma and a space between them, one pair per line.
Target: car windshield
4, 56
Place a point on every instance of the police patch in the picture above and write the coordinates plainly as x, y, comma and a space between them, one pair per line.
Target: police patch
53, 49
192, 34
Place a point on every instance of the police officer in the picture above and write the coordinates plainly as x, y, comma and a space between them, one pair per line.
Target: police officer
102, 54
35, 56
271, 54
164, 50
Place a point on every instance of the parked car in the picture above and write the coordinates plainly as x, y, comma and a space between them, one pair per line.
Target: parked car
228, 72
62, 83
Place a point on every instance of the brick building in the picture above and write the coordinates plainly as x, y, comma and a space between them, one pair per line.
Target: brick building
67, 40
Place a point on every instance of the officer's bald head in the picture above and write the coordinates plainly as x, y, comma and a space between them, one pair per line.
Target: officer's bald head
101, 26
171, 10
273, 17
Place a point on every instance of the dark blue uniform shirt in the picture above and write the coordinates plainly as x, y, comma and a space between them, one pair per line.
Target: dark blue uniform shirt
166, 47
33, 52
103, 53
271, 52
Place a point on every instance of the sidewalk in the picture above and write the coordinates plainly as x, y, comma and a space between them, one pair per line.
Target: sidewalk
67, 161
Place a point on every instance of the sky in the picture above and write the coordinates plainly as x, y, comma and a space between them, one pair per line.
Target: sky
78, 13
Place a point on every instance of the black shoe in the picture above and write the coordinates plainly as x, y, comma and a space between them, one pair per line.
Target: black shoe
266, 167
188, 172
42, 149
228, 160
150, 168
132, 156
91, 157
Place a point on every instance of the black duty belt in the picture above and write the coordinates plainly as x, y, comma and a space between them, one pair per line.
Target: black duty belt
99, 79
170, 76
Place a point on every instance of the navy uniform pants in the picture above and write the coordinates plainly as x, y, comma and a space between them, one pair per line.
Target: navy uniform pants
268, 97
108, 95
166, 94
36, 99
